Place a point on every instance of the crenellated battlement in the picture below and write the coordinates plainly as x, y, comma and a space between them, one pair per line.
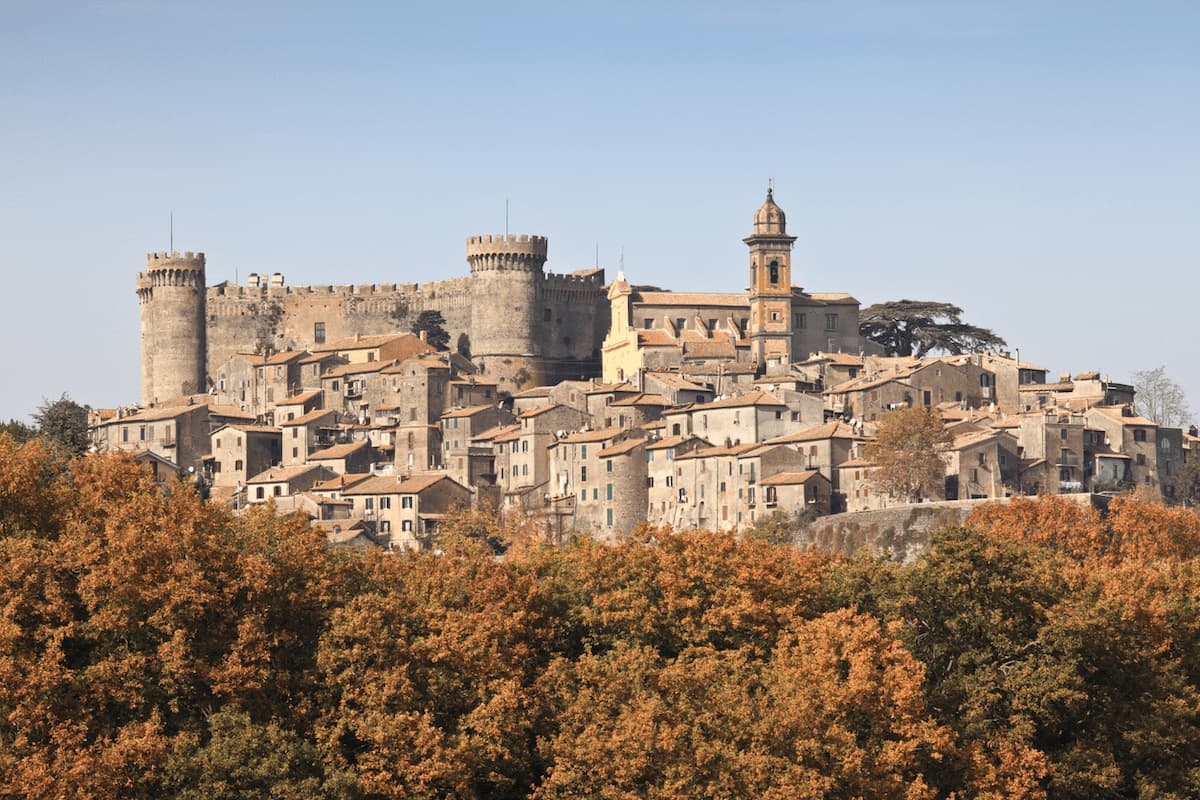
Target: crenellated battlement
175, 260
510, 243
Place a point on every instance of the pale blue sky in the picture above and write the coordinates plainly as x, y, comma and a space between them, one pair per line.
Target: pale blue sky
1033, 162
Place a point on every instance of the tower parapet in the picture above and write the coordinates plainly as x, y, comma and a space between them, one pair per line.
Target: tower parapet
171, 293
507, 252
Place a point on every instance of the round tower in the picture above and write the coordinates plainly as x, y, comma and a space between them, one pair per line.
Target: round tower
506, 304
171, 295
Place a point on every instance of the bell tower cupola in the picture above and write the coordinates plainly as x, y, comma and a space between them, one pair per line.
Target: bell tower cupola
770, 327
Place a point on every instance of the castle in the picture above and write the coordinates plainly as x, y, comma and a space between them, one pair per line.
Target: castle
521, 326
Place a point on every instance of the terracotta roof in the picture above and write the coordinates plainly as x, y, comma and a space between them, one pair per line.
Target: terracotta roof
655, 337
676, 381
710, 349
755, 398
672, 441
642, 400
829, 430
391, 484
864, 382
248, 428
467, 412
492, 433
340, 482
832, 297
855, 462
598, 435
304, 419
1114, 413
154, 414
790, 478
621, 448
282, 474
343, 370
843, 359
300, 399
709, 299
338, 451
537, 412
413, 343
536, 391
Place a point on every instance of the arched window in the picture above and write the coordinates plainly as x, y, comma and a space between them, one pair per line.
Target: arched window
774, 272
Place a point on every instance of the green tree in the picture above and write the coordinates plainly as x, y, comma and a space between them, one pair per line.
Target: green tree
64, 422
20, 432
433, 324
905, 454
1159, 398
919, 327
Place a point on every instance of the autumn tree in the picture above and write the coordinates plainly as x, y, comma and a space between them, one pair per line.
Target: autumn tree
906, 458
433, 325
1159, 398
1187, 481
919, 327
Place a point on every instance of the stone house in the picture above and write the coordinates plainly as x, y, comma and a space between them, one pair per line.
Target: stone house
346, 387
602, 476
297, 405
633, 411
522, 458
386, 347
472, 390
751, 417
981, 464
701, 488
1136, 437
240, 451
530, 398
177, 433
346, 458
666, 474
416, 390
794, 492
823, 447
459, 427
406, 510
858, 489
1010, 377
307, 433
282, 483
678, 390
752, 466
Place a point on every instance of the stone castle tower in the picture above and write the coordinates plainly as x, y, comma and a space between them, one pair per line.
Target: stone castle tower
771, 288
507, 279
171, 293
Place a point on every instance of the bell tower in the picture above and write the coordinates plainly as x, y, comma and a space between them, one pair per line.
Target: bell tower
770, 327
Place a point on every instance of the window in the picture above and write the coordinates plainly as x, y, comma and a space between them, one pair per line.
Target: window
1139, 435
670, 481
124, 434
583, 474
596, 493
801, 321
608, 465
237, 465
259, 493
385, 503
524, 469
385, 526
608, 491
142, 433
406, 526
1141, 459
547, 315
983, 459
679, 323
609, 517
524, 445
583, 495
831, 322
647, 323
335, 386
295, 452
774, 269
319, 332
278, 491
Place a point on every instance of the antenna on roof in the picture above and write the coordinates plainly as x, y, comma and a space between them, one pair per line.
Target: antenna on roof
506, 218
597, 255
171, 249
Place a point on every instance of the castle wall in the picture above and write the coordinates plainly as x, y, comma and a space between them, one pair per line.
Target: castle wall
574, 321
253, 318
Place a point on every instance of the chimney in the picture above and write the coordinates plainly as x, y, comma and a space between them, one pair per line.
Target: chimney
358, 337
424, 335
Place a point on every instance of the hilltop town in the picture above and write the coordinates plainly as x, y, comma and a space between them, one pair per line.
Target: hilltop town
590, 406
